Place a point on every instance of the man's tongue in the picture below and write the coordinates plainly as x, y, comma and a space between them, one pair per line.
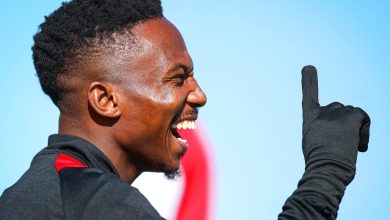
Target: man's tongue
185, 135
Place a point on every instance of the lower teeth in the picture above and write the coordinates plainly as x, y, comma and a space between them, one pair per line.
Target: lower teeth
182, 140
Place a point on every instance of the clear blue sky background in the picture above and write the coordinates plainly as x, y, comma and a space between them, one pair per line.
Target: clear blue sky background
248, 56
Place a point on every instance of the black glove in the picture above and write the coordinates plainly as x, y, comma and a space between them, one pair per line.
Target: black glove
332, 136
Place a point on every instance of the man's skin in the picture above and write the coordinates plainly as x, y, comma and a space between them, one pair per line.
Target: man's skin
129, 114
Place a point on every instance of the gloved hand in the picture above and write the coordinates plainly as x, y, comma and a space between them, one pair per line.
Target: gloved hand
332, 136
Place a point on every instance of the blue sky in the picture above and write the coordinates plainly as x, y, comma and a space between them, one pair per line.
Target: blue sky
248, 56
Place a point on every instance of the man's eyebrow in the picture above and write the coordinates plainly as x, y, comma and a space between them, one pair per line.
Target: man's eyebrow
186, 68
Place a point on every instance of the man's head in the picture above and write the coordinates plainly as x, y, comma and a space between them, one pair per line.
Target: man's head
76, 30
119, 69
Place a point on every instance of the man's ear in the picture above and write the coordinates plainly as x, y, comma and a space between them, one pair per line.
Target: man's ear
103, 100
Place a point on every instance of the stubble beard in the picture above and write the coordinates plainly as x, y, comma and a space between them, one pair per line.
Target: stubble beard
172, 174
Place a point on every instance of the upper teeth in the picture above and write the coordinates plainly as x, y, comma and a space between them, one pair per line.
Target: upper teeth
185, 125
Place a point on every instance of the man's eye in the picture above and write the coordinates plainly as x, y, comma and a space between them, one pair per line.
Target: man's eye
179, 79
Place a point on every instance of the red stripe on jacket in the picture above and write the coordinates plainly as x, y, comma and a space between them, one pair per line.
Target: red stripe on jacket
66, 161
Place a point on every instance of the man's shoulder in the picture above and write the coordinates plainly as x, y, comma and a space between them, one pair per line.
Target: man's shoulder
36, 193
58, 185
89, 193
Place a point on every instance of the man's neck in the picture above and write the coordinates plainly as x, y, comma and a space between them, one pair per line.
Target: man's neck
102, 138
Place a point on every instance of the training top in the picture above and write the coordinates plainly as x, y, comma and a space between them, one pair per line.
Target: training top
73, 179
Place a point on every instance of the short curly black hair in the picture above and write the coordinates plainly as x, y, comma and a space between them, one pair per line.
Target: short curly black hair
74, 25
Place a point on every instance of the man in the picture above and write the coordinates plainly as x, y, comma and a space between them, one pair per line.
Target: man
121, 76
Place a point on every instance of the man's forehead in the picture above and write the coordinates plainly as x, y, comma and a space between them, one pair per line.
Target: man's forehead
159, 33
156, 46
160, 38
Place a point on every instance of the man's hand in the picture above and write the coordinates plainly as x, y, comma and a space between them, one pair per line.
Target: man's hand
334, 132
332, 136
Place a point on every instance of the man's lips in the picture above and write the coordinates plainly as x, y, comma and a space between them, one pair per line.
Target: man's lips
188, 115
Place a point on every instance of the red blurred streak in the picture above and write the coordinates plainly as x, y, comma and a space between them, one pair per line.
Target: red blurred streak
197, 198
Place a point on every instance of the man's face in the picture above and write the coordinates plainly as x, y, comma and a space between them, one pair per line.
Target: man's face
158, 92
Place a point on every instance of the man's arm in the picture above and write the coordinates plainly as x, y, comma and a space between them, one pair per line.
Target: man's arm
332, 136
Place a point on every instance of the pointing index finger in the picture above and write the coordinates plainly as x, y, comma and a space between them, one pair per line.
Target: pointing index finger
309, 90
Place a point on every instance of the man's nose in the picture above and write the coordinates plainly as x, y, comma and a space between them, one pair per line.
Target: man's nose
197, 97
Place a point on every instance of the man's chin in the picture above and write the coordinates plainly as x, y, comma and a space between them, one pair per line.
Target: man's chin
172, 174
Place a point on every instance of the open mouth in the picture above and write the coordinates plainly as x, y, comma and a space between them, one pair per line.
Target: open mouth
185, 120
182, 125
